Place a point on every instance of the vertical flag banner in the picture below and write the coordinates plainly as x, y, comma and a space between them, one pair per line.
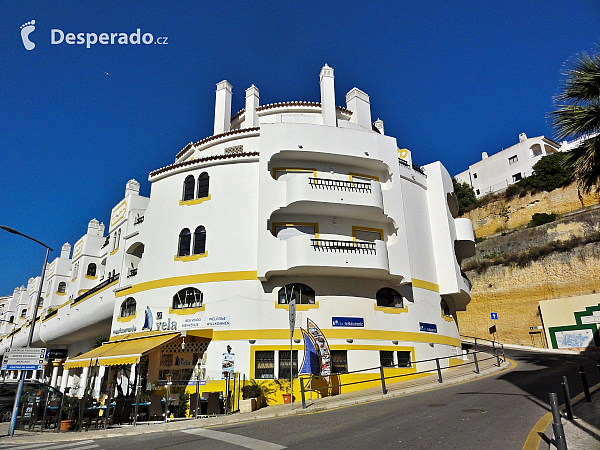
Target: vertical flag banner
322, 345
311, 363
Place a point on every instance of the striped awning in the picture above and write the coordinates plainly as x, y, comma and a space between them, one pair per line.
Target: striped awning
115, 353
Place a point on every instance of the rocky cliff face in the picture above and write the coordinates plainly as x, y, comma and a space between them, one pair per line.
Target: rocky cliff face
502, 215
514, 269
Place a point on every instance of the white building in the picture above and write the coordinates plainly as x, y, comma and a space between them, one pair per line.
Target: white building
496, 172
295, 198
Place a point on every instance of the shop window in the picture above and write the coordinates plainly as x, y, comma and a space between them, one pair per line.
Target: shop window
264, 365
188, 188
445, 308
185, 240
284, 363
188, 298
513, 159
339, 361
386, 358
62, 287
388, 297
303, 294
91, 270
203, 185
199, 240
404, 359
128, 307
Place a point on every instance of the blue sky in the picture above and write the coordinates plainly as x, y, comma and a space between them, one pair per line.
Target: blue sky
450, 79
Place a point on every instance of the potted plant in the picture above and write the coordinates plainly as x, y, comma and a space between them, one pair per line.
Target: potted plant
70, 411
285, 387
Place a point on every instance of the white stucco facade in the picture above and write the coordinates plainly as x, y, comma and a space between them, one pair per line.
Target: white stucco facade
288, 194
496, 172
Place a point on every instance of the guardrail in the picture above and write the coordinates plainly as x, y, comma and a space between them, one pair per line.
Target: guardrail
340, 185
382, 378
344, 246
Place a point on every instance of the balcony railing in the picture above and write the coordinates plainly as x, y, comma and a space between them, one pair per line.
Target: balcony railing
138, 220
402, 162
329, 245
96, 288
340, 185
132, 273
419, 169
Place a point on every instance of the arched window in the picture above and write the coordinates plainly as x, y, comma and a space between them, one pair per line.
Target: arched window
199, 240
23, 313
203, 185
303, 294
128, 307
188, 188
187, 298
91, 270
389, 297
185, 240
445, 308
62, 287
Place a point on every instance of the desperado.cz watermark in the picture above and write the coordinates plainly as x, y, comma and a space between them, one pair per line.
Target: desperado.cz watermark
58, 36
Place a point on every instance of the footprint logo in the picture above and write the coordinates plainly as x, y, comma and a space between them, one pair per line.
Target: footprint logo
26, 30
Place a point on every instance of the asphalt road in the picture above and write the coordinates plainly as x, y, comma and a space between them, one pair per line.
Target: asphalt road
496, 412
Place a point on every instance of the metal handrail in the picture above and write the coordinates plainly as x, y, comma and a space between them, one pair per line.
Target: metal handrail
96, 288
348, 246
340, 185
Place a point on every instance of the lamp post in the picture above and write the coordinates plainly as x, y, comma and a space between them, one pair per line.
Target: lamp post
13, 421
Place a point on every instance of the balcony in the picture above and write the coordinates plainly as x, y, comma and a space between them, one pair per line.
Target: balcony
309, 195
306, 255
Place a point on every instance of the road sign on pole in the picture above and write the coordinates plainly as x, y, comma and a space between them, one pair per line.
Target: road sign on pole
494, 316
24, 359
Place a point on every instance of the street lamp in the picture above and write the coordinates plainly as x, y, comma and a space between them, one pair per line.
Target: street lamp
13, 421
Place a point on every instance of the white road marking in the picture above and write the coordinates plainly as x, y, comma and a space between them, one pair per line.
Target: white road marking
79, 445
235, 439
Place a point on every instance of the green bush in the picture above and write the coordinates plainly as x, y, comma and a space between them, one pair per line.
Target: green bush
465, 196
541, 218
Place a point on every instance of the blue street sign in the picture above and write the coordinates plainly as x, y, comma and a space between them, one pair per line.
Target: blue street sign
494, 316
24, 367
348, 322
428, 327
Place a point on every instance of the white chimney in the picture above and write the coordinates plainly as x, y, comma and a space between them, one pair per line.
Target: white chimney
327, 96
252, 102
93, 227
379, 125
358, 102
132, 187
522, 137
65, 251
223, 107
484, 155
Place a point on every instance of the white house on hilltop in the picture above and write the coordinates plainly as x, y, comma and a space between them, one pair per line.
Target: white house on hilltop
295, 199
496, 172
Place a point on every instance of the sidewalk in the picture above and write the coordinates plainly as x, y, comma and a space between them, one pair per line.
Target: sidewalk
454, 375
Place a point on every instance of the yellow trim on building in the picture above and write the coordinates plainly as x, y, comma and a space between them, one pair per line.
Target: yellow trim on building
190, 257
118, 212
114, 251
127, 318
91, 296
390, 309
336, 333
61, 293
186, 311
422, 284
299, 307
188, 279
73, 279
292, 169
274, 225
373, 230
402, 153
361, 175
445, 317
195, 201
91, 278
81, 291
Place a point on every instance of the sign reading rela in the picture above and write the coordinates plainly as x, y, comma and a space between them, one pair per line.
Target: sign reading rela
428, 327
348, 322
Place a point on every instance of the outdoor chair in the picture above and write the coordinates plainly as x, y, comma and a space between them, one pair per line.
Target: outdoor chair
156, 408
214, 403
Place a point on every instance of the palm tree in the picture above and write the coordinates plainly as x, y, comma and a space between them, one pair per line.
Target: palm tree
578, 117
